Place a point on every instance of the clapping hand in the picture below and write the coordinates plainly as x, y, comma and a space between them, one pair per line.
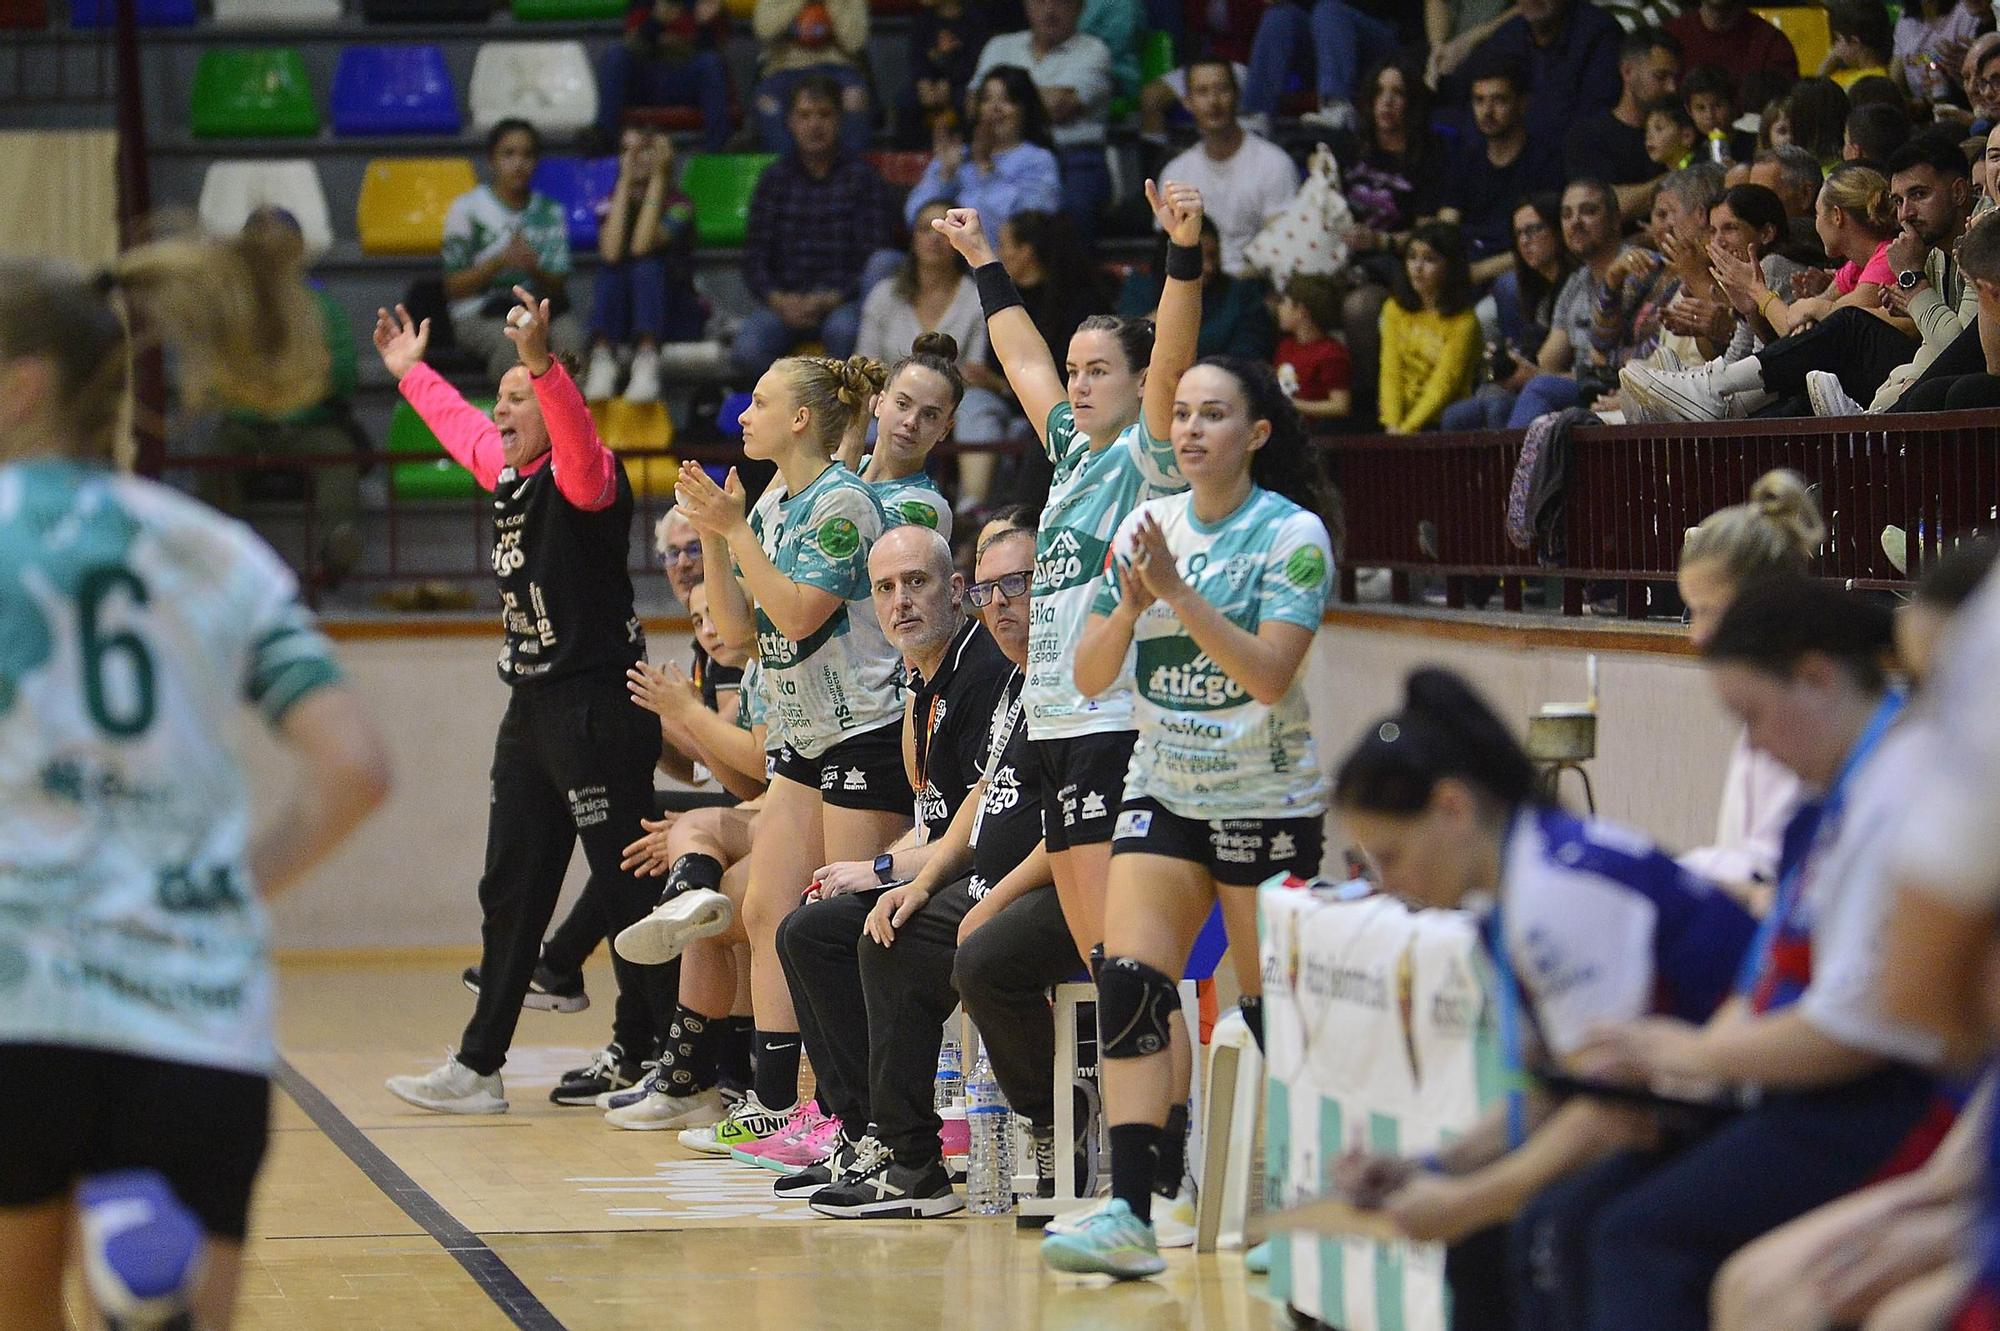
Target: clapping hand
664, 693
400, 340
715, 510
1153, 563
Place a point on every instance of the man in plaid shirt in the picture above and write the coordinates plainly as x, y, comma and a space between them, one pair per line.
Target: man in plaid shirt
818, 223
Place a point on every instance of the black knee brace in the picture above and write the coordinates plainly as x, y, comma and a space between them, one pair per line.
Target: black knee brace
1134, 1004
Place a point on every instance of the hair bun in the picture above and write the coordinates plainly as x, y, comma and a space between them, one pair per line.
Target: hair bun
1783, 498
859, 377
942, 345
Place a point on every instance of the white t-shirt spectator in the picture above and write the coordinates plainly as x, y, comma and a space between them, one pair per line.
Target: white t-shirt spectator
1241, 192
1083, 63
478, 225
889, 324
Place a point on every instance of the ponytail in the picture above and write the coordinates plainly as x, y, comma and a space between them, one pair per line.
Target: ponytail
1777, 531
1289, 463
834, 392
1443, 730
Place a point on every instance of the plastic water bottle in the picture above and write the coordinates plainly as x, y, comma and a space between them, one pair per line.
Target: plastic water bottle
950, 1077
989, 1181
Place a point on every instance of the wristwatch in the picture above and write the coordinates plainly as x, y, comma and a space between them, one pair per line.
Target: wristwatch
1909, 278
885, 867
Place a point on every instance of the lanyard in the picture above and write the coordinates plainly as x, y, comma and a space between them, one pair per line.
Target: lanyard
1791, 882
1003, 735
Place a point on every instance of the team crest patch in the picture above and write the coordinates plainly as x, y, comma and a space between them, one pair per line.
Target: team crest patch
1132, 823
838, 537
1306, 567
919, 514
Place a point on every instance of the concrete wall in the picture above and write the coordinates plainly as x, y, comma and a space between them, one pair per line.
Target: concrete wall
409, 880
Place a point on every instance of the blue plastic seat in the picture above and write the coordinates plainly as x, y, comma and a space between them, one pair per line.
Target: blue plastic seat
582, 186
151, 13
404, 89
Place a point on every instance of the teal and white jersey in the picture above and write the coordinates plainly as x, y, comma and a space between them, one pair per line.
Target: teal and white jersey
134, 623
750, 706
1206, 749
842, 679
1089, 496
912, 501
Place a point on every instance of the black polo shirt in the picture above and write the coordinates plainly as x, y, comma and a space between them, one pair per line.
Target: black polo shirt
950, 720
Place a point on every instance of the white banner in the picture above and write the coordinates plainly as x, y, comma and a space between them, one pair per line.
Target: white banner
1377, 1035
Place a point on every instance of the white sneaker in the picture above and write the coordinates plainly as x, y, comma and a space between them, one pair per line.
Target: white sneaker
600, 379
1676, 395
1072, 1222
660, 1111
683, 918
452, 1088
644, 385
1173, 1220
1829, 398
1333, 113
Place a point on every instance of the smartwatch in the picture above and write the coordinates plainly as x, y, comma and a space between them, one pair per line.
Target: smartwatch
885, 867
1909, 278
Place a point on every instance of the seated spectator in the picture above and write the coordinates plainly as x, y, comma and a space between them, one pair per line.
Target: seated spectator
1712, 103
1727, 35
1072, 71
1120, 25
1794, 175
801, 39
945, 40
1611, 145
502, 235
1670, 135
1234, 318
1244, 178
1569, 52
671, 57
1312, 365
1686, 317
1060, 288
1507, 164
644, 293
1524, 297
1876, 89
818, 219
327, 427
1981, 74
1009, 166
1430, 336
1978, 261
1816, 120
1862, 41
1874, 132
1454, 29
1749, 224
1930, 42
1328, 41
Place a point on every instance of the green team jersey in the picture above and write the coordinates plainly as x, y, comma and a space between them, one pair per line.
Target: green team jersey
842, 679
134, 625
1090, 494
1206, 748
750, 706
912, 501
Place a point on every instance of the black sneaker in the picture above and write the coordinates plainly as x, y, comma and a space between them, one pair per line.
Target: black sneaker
609, 1071
847, 1158
890, 1191
547, 991
1045, 1162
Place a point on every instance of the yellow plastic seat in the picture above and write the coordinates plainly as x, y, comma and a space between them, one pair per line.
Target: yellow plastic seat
404, 200
630, 426
1807, 28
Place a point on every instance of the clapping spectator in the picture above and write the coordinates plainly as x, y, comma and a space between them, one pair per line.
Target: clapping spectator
806, 38
1234, 318
644, 294
1312, 365
671, 57
1981, 74
1430, 336
1330, 41
502, 235
1072, 71
1244, 178
1008, 167
819, 220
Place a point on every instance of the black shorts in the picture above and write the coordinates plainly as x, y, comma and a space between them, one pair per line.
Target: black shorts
1083, 783
1241, 852
69, 1113
863, 771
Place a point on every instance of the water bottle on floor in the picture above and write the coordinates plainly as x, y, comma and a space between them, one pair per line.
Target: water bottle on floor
989, 1182
950, 1077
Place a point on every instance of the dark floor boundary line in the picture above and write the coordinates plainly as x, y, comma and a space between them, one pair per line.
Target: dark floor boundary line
486, 1267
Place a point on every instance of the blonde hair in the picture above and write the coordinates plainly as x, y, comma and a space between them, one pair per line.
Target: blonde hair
1777, 531
1863, 194
243, 327
833, 391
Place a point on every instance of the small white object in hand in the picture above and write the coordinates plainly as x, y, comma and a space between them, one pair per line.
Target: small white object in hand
520, 318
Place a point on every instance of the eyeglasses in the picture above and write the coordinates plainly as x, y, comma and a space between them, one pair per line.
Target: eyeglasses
1011, 585
670, 554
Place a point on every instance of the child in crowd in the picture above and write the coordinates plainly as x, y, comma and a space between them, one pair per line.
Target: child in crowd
1312, 364
1430, 336
1671, 134
1711, 99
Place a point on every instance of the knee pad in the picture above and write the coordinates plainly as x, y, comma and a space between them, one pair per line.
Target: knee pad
1134, 1004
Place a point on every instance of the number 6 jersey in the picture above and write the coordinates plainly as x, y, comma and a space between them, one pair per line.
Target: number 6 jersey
134, 624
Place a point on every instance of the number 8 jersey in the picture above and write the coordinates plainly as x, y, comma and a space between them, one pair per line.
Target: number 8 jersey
134, 623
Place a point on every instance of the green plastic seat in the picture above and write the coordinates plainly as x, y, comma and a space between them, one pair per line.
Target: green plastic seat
243, 93
720, 185
572, 11
433, 474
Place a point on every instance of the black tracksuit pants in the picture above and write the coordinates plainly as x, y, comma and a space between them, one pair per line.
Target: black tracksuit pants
872, 1017
1858, 347
573, 761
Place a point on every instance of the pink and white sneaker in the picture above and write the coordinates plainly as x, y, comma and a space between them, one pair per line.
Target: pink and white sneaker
804, 1118
795, 1157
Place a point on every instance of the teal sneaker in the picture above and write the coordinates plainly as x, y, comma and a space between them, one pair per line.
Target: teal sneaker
1113, 1242
1257, 1261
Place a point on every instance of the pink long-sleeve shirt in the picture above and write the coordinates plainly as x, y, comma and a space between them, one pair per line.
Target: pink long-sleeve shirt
585, 470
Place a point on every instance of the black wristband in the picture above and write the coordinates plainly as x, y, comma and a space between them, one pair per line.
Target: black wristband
997, 291
1184, 262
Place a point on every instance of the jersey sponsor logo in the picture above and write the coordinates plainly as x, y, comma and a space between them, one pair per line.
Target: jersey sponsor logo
838, 538
1236, 847
184, 889
977, 888
918, 514
1132, 823
1176, 674
1003, 790
589, 806
1306, 569
1068, 558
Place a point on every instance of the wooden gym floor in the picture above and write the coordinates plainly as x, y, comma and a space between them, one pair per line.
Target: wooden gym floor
577, 1225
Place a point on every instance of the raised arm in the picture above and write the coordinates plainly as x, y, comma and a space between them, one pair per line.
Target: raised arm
1177, 329
586, 471
1029, 362
466, 432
